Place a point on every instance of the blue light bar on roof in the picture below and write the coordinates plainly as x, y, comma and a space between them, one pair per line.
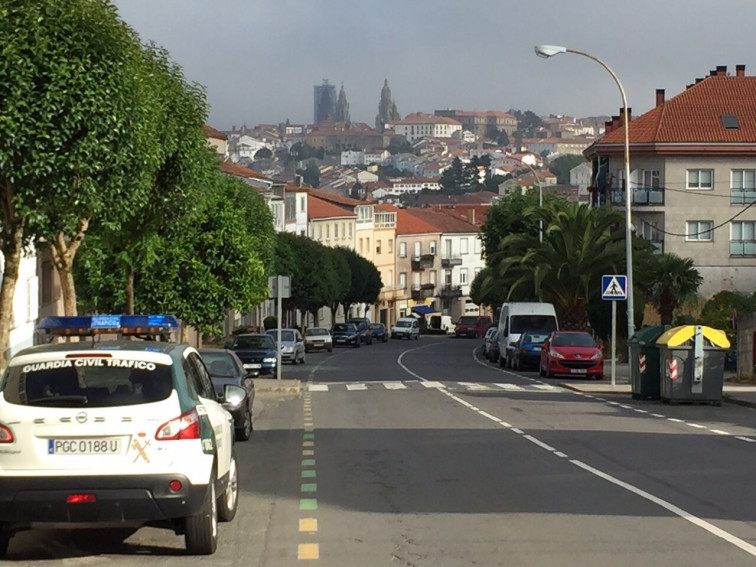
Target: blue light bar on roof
83, 325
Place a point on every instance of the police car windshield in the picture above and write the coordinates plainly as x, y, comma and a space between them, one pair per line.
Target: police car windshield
98, 382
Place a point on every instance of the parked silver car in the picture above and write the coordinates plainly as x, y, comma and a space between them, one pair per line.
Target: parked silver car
292, 345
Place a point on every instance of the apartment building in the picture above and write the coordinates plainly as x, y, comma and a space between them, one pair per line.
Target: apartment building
692, 176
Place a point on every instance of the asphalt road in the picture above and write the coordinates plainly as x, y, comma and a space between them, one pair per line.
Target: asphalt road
421, 454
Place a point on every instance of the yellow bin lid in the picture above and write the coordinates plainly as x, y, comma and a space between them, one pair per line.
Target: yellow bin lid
678, 335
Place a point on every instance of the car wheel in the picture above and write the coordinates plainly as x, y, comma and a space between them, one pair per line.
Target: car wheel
201, 530
330, 349
599, 377
502, 362
540, 370
549, 373
245, 431
4, 540
228, 502
294, 360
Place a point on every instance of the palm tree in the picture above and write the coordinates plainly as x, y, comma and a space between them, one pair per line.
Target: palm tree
671, 280
578, 247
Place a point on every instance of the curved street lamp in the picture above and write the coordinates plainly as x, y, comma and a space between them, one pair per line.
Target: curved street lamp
547, 51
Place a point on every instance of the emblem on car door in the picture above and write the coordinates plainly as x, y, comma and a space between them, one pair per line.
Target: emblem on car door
81, 417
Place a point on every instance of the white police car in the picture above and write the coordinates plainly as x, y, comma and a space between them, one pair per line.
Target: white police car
115, 434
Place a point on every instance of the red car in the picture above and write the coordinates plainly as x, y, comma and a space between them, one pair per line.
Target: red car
572, 352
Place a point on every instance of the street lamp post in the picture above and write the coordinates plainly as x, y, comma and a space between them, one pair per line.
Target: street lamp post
540, 195
547, 51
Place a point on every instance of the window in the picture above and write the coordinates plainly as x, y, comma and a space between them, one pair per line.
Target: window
418, 249
335, 230
477, 245
350, 230
402, 249
463, 245
360, 245
320, 232
402, 279
699, 231
367, 244
463, 276
700, 179
390, 245
432, 247
447, 277
328, 231
742, 186
743, 238
391, 276
650, 178
416, 279
377, 246
432, 277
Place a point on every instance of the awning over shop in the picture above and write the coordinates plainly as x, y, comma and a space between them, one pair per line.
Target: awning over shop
423, 309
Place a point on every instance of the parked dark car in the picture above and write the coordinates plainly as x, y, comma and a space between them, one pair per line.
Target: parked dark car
380, 332
527, 350
345, 334
493, 350
256, 351
226, 368
363, 328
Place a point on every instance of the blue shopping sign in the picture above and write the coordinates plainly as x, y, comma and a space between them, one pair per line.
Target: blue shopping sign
614, 288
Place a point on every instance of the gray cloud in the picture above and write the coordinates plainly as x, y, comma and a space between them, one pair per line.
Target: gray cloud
259, 60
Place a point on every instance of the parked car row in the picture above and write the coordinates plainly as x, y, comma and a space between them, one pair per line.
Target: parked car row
573, 353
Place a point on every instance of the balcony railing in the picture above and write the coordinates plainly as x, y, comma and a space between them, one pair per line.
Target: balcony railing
451, 291
422, 262
423, 291
451, 261
642, 196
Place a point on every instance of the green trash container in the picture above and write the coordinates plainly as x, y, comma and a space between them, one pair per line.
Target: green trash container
644, 363
692, 364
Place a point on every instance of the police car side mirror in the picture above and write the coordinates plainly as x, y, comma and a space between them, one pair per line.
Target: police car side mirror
233, 396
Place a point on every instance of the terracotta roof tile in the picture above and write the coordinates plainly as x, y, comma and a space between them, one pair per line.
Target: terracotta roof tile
336, 198
407, 223
238, 170
694, 115
442, 222
320, 209
211, 132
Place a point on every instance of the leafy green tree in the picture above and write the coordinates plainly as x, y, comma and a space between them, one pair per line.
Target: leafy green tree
505, 217
311, 175
671, 279
210, 261
185, 162
578, 247
399, 145
453, 178
562, 165
77, 130
263, 153
365, 283
721, 310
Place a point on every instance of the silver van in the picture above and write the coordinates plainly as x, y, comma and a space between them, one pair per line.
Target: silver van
518, 316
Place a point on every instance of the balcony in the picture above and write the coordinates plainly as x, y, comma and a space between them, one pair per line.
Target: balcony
642, 196
451, 261
451, 291
423, 291
423, 262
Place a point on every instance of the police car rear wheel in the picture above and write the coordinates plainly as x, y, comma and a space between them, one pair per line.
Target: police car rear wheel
201, 537
229, 500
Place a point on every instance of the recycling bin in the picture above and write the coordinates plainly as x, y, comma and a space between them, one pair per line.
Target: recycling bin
692, 364
645, 379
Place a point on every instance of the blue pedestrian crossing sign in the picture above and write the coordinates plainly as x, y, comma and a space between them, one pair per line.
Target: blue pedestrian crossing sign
614, 287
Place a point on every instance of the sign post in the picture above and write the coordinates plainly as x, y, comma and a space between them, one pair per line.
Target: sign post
280, 288
614, 288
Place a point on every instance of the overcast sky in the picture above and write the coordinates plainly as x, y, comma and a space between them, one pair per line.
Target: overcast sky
259, 59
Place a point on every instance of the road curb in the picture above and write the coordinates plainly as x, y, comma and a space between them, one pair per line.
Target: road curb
740, 402
273, 386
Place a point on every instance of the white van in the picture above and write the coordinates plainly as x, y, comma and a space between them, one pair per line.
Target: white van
518, 316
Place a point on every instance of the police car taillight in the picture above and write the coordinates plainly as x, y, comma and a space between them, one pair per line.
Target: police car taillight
6, 435
185, 426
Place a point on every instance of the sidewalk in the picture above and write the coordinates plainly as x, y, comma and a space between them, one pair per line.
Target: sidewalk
741, 394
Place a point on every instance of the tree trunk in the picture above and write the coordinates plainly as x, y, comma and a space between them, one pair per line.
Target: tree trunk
63, 254
667, 305
130, 289
12, 253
